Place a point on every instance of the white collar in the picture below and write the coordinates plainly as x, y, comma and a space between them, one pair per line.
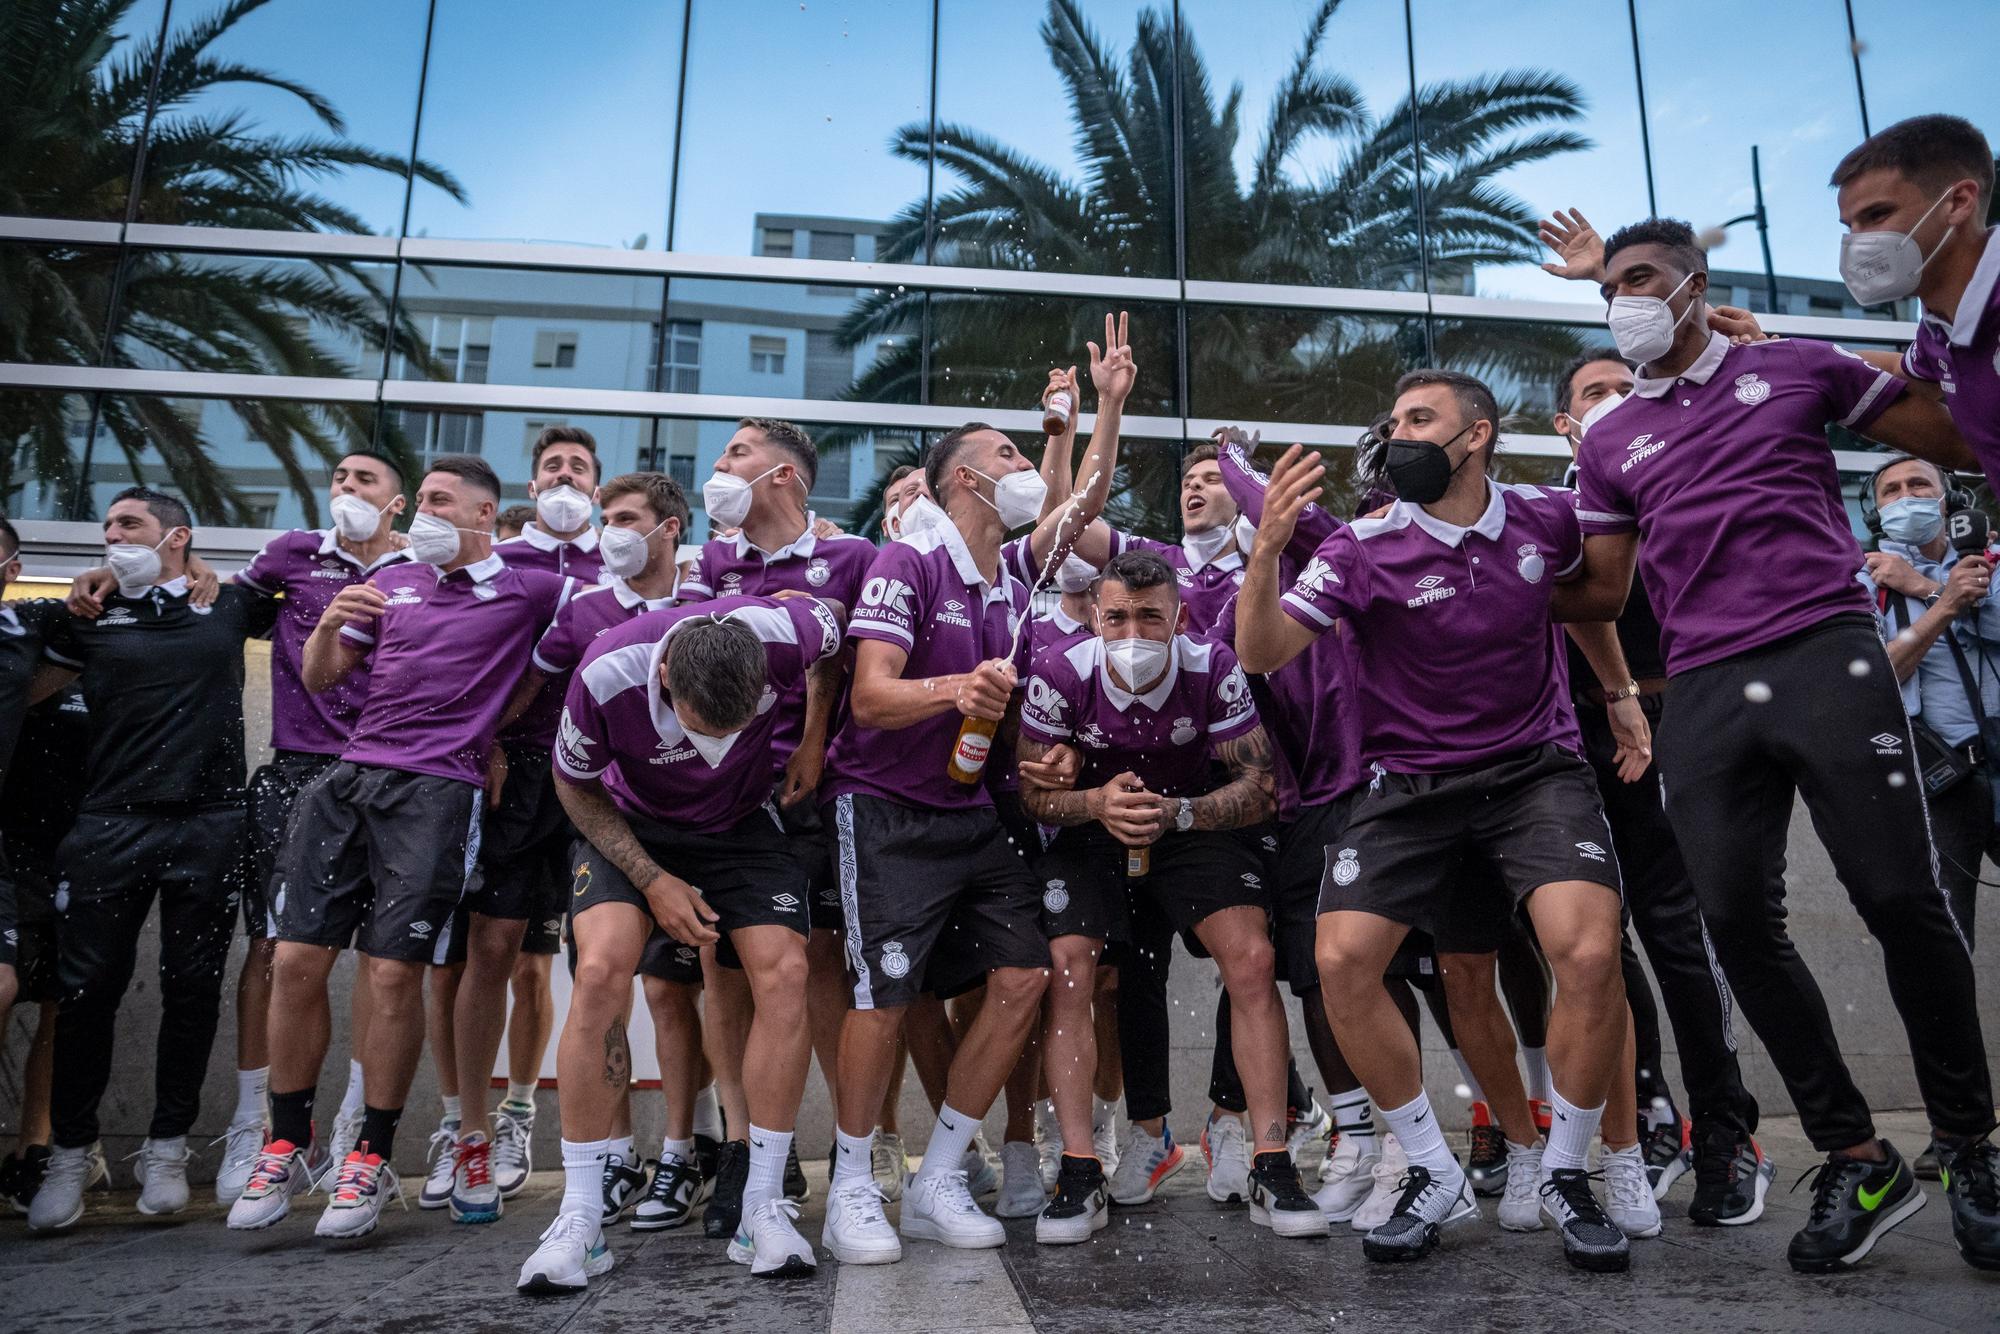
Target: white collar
329, 545
1704, 367
480, 571
1978, 294
1123, 699
1063, 621
535, 537
628, 597
802, 545
1233, 560
175, 587
968, 569
1488, 526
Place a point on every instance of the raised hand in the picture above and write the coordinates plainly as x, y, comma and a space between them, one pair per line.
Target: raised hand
1581, 249
1295, 483
1112, 371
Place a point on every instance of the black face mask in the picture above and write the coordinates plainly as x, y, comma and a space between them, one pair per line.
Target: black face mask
1420, 471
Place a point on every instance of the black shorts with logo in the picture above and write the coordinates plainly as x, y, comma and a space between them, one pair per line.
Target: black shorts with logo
28, 921
1191, 875
934, 900
1303, 850
810, 844
1414, 839
523, 873
273, 791
379, 858
747, 874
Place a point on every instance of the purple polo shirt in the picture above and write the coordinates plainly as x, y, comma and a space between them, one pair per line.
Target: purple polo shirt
833, 567
1962, 358
618, 724
445, 655
306, 570
925, 596
583, 618
536, 550
1455, 661
1206, 587
1163, 736
1726, 474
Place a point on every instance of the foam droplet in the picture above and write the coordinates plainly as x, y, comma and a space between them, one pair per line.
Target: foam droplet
1858, 668
1757, 692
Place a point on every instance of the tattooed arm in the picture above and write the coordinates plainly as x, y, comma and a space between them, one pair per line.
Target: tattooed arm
1250, 795
1063, 807
676, 905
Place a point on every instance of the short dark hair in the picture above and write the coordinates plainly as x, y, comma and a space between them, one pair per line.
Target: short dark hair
563, 435
898, 473
11, 537
394, 469
1590, 356
943, 456
1202, 453
1934, 151
1944, 478
167, 509
1475, 401
790, 439
717, 668
662, 494
469, 468
517, 517
1675, 235
1140, 570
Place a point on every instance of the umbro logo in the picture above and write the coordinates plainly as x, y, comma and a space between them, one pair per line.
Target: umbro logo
785, 902
421, 930
1430, 581
1887, 743
1591, 850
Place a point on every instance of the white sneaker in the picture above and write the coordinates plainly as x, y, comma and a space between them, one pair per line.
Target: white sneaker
241, 1144
475, 1198
1228, 1159
981, 1168
770, 1244
346, 1137
1309, 1133
1145, 1163
1386, 1187
1348, 1174
889, 1164
1048, 1138
571, 1254
940, 1208
280, 1172
1520, 1201
513, 1148
1079, 1207
59, 1203
1424, 1208
1103, 1134
364, 1185
163, 1176
1021, 1193
1628, 1195
442, 1155
856, 1230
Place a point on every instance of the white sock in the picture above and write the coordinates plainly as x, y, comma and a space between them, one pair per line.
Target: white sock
1416, 1128
768, 1150
1465, 1072
351, 1102
622, 1146
523, 1094
1661, 1113
251, 1086
1536, 1059
1352, 1117
1045, 1121
1572, 1130
1102, 1113
707, 1113
950, 1138
583, 1177
682, 1149
853, 1157
453, 1114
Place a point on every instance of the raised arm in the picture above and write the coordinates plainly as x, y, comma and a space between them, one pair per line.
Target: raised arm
1266, 638
1113, 373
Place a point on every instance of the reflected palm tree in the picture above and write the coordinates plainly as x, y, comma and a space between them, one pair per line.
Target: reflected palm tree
75, 108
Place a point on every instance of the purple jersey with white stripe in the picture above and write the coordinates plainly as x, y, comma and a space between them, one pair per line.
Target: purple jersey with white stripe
583, 618
1726, 474
1206, 586
618, 724
1962, 359
1455, 658
307, 570
580, 560
830, 567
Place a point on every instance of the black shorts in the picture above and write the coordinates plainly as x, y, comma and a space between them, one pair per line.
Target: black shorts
523, 872
28, 921
1535, 815
379, 859
810, 844
273, 791
747, 874
934, 900
1191, 876
1300, 867
1480, 914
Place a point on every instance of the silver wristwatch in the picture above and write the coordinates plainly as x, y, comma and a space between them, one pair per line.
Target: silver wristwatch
1184, 818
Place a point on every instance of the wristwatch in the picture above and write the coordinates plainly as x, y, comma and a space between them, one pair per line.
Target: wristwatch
1184, 818
1931, 599
1626, 691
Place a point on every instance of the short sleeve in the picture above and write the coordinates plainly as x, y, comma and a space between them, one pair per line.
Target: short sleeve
1920, 361
559, 649
817, 626
583, 744
1855, 392
1231, 710
1325, 589
1047, 712
694, 587
890, 597
267, 572
356, 635
1565, 532
60, 643
1246, 485
1017, 557
260, 612
1600, 506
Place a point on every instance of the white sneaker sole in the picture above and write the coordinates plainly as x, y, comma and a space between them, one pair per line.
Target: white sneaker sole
546, 1282
923, 1229
1070, 1231
434, 1201
792, 1266
352, 1232
1643, 1232
75, 1217
1896, 1216
1756, 1209
1519, 1225
155, 1211
1288, 1224
260, 1221
872, 1253
1669, 1174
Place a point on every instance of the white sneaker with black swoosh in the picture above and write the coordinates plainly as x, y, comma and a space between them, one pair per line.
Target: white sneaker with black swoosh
769, 1242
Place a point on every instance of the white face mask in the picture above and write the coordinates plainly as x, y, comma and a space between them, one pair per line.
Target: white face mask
892, 520
1879, 267
1076, 574
433, 541
136, 568
355, 519
1591, 418
711, 748
1017, 497
921, 514
562, 508
1139, 661
1204, 547
624, 550
726, 497
1643, 326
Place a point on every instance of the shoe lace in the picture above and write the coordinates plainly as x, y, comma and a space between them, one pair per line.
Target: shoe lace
614, 1166
1625, 1179
359, 1177
63, 1166
151, 1155
1489, 1145
571, 1227
1829, 1185
1572, 1188
240, 1141
1975, 1176
951, 1192
1280, 1176
863, 1201
773, 1211
476, 1161
672, 1171
443, 1144
882, 1156
510, 1143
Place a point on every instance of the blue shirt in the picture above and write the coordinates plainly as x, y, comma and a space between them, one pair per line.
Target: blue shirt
1936, 691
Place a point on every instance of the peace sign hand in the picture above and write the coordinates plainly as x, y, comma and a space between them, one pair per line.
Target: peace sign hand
1111, 368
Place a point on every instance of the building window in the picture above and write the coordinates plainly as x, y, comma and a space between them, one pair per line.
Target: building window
554, 351
434, 433
832, 245
681, 368
767, 355
776, 242
829, 366
461, 348
532, 429
835, 478
680, 467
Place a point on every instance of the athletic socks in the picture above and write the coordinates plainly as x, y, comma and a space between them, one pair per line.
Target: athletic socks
1465, 1072
351, 1101
1352, 1117
1536, 1060
950, 1138
292, 1117
251, 1086
853, 1157
522, 1094
1572, 1130
622, 1146
1659, 1114
1416, 1129
1102, 1113
583, 1177
453, 1113
682, 1149
378, 1130
708, 1114
768, 1150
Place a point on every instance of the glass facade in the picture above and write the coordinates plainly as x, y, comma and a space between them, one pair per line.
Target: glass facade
433, 226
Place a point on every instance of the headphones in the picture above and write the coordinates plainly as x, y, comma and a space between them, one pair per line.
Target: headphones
1956, 497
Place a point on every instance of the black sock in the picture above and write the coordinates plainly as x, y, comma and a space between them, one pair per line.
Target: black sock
378, 1130
292, 1117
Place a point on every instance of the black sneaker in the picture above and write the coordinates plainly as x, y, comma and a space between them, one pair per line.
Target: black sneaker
725, 1206
1971, 1177
1668, 1151
1279, 1201
1591, 1241
678, 1186
707, 1149
1731, 1176
1854, 1203
1079, 1207
1422, 1211
1486, 1164
26, 1173
796, 1186
622, 1184
1926, 1164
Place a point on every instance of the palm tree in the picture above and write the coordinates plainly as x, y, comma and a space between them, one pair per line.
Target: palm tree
74, 111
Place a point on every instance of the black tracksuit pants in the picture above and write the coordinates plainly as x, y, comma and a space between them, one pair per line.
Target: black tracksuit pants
1962, 821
